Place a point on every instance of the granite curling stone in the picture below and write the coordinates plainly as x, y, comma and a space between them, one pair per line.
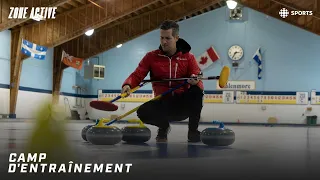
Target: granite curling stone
136, 134
104, 135
84, 132
218, 136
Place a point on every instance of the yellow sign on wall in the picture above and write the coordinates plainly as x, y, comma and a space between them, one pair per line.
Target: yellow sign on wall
227, 97
138, 97
215, 97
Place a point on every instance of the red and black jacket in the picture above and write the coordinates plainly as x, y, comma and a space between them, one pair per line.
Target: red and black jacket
181, 65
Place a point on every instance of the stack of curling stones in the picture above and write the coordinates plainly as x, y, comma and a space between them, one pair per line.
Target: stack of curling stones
220, 136
100, 134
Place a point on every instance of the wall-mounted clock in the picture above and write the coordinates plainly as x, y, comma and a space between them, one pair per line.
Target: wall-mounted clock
235, 52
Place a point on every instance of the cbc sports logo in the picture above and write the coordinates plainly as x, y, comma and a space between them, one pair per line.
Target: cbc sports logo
285, 13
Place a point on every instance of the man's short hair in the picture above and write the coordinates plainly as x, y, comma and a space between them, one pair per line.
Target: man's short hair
170, 24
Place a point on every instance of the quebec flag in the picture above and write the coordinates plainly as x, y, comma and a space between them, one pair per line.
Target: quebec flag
258, 58
33, 50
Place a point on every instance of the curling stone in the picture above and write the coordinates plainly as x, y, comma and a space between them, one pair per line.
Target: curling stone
101, 134
220, 136
136, 134
85, 129
84, 132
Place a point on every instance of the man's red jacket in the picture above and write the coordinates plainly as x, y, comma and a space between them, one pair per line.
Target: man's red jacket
181, 65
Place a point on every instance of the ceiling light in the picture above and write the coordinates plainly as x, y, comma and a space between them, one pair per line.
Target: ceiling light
89, 32
37, 17
119, 45
231, 4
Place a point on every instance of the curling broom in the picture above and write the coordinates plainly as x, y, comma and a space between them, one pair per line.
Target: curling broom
48, 134
223, 80
103, 105
109, 106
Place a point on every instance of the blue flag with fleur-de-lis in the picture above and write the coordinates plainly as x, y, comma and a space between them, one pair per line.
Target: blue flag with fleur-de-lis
258, 58
33, 50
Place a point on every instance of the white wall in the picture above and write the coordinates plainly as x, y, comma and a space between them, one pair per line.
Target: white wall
4, 100
29, 102
248, 113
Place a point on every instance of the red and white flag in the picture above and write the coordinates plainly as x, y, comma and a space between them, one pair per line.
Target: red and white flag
207, 58
71, 61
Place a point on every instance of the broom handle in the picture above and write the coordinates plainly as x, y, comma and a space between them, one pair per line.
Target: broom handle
132, 90
144, 82
182, 79
155, 98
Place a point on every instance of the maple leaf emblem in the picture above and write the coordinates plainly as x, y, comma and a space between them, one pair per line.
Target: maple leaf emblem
203, 60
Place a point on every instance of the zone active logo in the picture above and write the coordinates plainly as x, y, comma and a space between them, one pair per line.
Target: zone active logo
37, 13
285, 13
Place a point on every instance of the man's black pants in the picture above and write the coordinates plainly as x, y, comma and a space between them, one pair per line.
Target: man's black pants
174, 108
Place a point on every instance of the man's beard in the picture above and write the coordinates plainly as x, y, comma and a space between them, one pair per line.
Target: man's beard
165, 48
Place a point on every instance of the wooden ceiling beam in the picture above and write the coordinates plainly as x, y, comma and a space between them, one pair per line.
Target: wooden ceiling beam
128, 29
57, 74
66, 5
81, 1
163, 2
73, 3
272, 7
5, 10
63, 28
59, 10
316, 23
77, 20
146, 13
16, 62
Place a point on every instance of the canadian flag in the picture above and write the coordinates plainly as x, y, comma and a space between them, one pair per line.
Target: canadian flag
207, 58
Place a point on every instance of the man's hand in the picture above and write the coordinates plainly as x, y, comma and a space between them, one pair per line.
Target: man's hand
193, 81
126, 89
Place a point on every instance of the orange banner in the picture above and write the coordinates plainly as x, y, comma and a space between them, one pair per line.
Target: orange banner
71, 61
